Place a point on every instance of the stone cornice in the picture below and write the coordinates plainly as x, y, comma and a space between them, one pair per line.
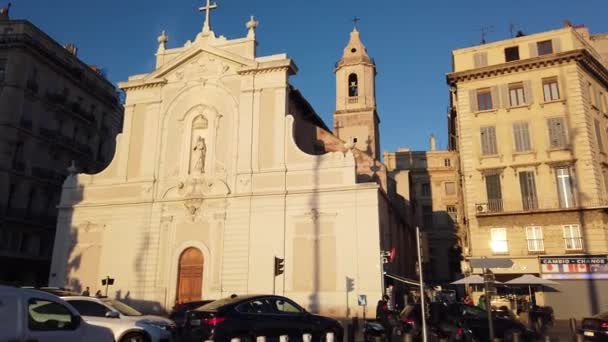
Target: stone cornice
141, 84
268, 67
581, 56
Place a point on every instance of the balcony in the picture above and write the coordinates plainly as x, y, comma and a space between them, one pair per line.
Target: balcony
536, 246
25, 216
573, 245
353, 99
498, 207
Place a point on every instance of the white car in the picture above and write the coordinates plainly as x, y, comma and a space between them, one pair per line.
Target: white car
31, 315
127, 324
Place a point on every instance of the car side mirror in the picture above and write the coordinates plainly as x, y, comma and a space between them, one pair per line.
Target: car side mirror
112, 314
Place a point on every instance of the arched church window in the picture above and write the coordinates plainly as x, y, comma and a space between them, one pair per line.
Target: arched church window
353, 85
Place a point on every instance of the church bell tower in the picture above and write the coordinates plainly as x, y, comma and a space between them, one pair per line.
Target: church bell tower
355, 118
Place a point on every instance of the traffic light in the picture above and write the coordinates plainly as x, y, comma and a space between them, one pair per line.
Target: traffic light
279, 266
350, 284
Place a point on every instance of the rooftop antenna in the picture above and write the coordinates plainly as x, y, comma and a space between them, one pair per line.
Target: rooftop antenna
511, 29
484, 32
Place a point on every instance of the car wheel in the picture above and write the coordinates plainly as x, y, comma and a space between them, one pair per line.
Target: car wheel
134, 337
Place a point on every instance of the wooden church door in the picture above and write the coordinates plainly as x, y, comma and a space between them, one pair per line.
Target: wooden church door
190, 276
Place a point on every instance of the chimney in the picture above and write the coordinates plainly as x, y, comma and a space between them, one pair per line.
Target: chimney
433, 143
71, 48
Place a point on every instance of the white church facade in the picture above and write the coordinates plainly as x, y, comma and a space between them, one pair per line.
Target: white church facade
223, 166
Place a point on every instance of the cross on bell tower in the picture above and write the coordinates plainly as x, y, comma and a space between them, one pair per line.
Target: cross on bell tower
356, 117
207, 9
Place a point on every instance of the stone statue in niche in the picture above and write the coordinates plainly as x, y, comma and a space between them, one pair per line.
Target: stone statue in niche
199, 153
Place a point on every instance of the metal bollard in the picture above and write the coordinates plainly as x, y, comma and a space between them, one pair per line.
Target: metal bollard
443, 339
408, 337
547, 338
580, 338
307, 338
377, 339
236, 339
260, 339
572, 323
284, 338
330, 337
350, 331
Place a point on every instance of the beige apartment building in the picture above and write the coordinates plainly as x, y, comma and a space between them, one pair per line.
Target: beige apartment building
54, 109
529, 118
431, 181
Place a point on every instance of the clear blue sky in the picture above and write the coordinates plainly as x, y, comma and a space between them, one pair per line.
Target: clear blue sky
410, 40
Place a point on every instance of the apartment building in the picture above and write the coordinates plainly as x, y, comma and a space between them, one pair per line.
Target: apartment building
529, 118
434, 203
54, 109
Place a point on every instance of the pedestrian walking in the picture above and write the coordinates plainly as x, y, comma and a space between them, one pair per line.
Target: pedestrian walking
482, 302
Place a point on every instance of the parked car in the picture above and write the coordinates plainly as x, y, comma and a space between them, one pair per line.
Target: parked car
32, 315
126, 323
247, 317
461, 322
595, 328
178, 313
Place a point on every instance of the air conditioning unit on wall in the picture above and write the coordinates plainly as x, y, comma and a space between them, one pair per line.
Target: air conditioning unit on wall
482, 208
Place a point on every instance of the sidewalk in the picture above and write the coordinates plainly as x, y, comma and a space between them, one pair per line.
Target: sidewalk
560, 331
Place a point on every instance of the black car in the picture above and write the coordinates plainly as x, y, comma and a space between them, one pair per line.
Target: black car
465, 322
595, 328
178, 313
247, 317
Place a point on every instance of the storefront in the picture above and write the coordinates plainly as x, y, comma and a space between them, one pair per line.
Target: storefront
583, 284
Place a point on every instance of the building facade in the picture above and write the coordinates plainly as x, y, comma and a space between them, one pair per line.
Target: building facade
529, 118
435, 205
223, 166
54, 109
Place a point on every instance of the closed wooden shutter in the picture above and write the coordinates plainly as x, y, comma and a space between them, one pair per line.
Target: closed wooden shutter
493, 187
528, 93
473, 101
480, 59
504, 95
557, 45
521, 136
488, 140
533, 49
557, 133
528, 190
495, 97
598, 135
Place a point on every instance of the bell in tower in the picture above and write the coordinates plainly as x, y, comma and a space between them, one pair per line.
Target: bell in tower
356, 118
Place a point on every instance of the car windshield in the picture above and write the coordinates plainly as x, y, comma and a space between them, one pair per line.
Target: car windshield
123, 308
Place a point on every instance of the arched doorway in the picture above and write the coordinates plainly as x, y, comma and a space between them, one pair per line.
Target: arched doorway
190, 276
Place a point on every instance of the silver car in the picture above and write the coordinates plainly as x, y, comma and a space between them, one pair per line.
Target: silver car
127, 324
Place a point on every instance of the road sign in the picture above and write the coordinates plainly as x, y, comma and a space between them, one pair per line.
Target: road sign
362, 300
491, 263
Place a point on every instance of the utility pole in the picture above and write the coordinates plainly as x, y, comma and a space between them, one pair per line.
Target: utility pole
420, 273
488, 281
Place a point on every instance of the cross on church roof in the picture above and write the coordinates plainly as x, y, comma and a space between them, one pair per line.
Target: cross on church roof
207, 9
356, 21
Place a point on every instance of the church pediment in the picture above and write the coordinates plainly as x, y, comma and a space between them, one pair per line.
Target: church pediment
201, 61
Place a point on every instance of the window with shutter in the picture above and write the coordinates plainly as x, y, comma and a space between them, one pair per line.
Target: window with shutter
516, 94
528, 190
488, 141
557, 133
521, 135
598, 136
550, 89
480, 59
484, 99
494, 192
498, 238
545, 47
534, 236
